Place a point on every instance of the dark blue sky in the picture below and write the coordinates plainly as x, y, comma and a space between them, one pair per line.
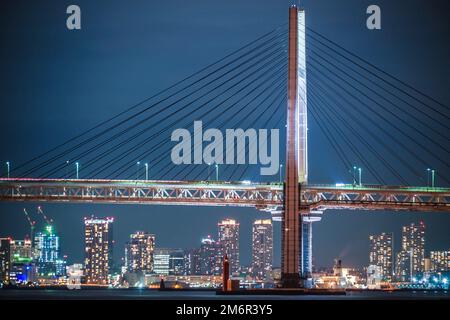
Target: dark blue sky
55, 83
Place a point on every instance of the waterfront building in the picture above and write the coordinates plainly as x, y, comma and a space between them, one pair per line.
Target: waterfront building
229, 239
262, 248
98, 249
139, 252
211, 257
440, 261
411, 259
381, 254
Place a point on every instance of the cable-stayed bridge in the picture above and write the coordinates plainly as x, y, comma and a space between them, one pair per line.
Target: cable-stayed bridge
369, 119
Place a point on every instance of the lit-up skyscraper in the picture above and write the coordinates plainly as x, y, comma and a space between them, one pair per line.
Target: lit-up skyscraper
139, 252
99, 248
48, 250
5, 259
168, 261
211, 255
22, 251
192, 262
440, 261
381, 254
22, 267
229, 239
176, 262
411, 259
161, 261
262, 248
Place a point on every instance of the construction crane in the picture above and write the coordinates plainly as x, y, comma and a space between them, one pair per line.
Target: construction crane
47, 220
32, 225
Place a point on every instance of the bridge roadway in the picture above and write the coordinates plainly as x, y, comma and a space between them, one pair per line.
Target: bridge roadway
263, 196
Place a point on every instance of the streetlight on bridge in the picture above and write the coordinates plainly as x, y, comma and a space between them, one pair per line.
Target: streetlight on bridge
354, 174
432, 177
217, 172
77, 167
359, 172
146, 171
7, 167
67, 169
281, 169
137, 169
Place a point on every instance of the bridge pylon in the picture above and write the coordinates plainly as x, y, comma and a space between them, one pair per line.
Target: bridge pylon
296, 152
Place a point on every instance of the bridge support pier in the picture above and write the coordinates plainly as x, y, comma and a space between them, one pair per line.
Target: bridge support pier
306, 249
296, 152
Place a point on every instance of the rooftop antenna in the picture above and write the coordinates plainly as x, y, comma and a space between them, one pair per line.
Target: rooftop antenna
32, 225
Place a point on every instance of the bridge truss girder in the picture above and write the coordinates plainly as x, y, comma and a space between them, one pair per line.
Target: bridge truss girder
268, 197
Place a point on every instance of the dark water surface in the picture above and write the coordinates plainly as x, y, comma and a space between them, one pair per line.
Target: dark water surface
126, 294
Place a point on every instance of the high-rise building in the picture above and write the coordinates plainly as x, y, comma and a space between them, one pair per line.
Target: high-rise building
229, 239
169, 261
21, 251
48, 250
403, 266
22, 258
381, 254
211, 256
99, 249
440, 261
411, 259
176, 262
5, 259
161, 258
139, 252
192, 262
61, 267
262, 248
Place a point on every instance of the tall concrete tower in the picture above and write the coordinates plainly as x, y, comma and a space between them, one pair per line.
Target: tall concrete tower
296, 152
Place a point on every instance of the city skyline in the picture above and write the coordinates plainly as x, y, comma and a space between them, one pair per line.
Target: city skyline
408, 240
361, 259
38, 259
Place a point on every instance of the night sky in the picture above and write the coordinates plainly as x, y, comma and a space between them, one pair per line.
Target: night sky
55, 83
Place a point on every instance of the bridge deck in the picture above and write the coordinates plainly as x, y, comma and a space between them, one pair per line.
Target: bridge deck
268, 196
